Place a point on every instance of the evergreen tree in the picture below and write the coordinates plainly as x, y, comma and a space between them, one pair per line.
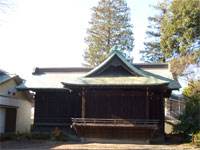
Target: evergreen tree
181, 29
175, 32
180, 39
110, 26
175, 36
152, 51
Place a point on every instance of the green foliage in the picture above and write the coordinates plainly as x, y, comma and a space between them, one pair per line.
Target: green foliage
40, 135
152, 51
197, 139
7, 136
110, 26
190, 119
174, 34
192, 91
181, 29
25, 136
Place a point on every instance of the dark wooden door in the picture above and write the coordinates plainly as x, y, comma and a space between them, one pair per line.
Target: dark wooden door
10, 124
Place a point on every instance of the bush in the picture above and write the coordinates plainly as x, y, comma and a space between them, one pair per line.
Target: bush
58, 135
41, 135
196, 139
190, 119
25, 136
8, 136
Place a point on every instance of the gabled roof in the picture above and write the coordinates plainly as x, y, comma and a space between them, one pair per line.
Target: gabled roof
65, 70
2, 72
139, 76
55, 78
115, 52
5, 77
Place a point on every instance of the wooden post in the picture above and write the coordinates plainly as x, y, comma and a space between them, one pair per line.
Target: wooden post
83, 104
192, 139
147, 103
162, 111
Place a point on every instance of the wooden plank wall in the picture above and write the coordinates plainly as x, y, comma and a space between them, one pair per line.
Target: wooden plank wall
115, 106
53, 105
114, 133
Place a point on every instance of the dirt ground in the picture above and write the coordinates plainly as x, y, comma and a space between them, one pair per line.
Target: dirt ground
38, 144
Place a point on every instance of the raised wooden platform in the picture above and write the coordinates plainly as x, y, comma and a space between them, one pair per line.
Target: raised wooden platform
127, 129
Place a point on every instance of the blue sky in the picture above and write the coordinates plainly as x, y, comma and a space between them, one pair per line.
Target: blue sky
50, 33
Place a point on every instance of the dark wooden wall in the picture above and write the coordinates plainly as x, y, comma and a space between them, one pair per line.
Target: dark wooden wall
122, 133
54, 104
155, 103
57, 105
52, 108
115, 106
156, 109
128, 104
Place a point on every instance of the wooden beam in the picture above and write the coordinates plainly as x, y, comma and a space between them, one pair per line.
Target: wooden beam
147, 103
139, 93
83, 104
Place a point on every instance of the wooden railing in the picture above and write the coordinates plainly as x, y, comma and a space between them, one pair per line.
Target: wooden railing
52, 120
114, 122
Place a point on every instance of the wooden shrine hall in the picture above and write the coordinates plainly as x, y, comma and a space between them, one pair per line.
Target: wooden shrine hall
115, 100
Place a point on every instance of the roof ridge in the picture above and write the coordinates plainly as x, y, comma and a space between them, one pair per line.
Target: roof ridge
60, 69
38, 70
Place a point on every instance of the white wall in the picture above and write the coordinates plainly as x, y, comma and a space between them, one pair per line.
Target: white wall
19, 100
2, 119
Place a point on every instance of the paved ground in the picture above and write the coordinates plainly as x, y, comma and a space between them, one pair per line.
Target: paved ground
37, 144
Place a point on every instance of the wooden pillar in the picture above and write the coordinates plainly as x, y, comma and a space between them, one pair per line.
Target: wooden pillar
147, 103
162, 114
162, 111
83, 104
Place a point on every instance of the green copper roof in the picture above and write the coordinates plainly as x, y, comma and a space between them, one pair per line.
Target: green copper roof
147, 77
172, 83
48, 81
143, 78
115, 81
115, 51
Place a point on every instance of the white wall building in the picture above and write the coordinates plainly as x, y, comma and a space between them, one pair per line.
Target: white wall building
15, 106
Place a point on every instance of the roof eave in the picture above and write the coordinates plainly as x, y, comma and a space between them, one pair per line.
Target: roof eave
111, 85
